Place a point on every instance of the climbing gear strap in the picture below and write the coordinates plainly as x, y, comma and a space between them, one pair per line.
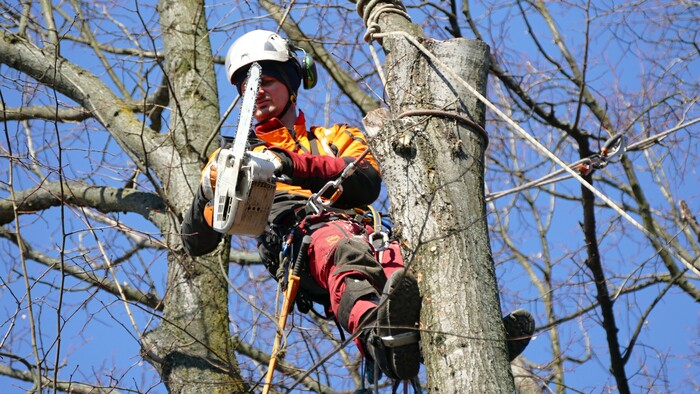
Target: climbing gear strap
398, 340
292, 286
379, 239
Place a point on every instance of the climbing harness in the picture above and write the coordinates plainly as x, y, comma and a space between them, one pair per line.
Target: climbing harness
288, 274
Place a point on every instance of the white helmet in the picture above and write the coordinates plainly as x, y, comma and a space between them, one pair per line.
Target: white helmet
264, 45
256, 46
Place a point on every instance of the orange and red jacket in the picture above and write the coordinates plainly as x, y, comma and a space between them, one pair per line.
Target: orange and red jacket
319, 155
312, 158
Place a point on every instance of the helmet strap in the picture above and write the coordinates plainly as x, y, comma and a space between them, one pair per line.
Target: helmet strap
292, 98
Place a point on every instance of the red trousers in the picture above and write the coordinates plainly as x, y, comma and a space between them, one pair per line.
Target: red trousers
341, 249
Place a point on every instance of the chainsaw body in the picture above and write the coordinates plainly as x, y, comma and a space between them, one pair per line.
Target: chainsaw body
245, 185
245, 188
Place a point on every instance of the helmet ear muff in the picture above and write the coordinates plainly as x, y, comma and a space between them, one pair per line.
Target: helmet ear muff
309, 75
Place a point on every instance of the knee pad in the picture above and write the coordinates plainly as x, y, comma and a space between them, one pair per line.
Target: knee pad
355, 289
355, 255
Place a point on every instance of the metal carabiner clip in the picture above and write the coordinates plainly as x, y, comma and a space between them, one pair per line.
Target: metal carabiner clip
379, 241
613, 147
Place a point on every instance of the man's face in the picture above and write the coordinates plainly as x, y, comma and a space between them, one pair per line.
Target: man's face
272, 98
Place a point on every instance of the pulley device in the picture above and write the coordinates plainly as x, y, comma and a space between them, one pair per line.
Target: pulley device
245, 182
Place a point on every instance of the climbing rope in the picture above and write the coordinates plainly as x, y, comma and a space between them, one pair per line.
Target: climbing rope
371, 10
536, 144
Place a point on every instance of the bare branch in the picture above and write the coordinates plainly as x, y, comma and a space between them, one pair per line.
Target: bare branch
64, 386
148, 299
104, 199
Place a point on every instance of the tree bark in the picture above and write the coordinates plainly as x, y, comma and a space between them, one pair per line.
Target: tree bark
192, 348
430, 144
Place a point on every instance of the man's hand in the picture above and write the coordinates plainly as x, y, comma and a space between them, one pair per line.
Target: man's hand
282, 163
208, 179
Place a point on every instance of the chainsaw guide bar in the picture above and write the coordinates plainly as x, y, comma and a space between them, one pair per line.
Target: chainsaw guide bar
245, 185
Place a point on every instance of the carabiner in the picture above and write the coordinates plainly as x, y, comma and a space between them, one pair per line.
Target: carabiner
379, 241
613, 147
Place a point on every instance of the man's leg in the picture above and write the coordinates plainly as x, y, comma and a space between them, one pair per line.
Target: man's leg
342, 261
390, 332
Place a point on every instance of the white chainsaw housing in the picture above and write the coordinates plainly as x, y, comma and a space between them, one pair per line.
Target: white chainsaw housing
245, 188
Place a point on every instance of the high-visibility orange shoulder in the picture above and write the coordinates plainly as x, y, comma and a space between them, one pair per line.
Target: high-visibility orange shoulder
339, 140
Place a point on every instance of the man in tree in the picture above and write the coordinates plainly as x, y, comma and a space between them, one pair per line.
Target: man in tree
365, 286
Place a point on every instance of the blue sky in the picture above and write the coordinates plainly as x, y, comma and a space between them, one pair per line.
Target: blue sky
99, 342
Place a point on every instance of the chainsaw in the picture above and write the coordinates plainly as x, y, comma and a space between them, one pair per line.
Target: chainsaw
245, 182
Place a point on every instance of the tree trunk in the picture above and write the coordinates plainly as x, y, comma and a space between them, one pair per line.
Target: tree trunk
433, 165
192, 347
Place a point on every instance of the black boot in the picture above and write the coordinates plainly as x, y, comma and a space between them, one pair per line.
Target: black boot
391, 338
520, 326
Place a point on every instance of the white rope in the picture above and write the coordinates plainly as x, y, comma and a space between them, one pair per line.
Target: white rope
550, 178
539, 147
371, 10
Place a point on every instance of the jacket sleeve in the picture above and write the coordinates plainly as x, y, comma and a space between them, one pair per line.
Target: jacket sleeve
312, 172
198, 237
